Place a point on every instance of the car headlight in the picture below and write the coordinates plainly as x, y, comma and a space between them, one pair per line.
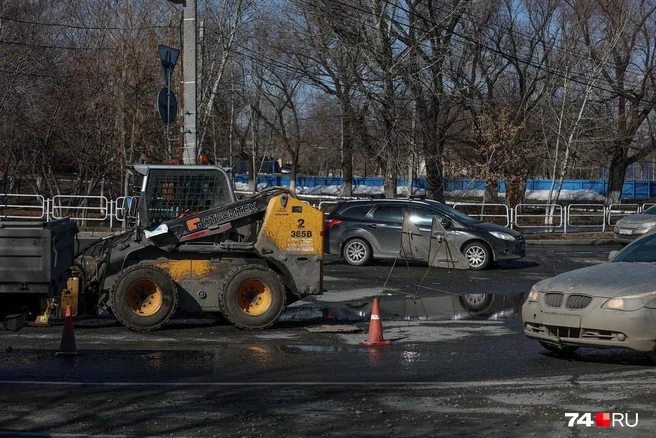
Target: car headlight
534, 295
630, 302
647, 225
502, 236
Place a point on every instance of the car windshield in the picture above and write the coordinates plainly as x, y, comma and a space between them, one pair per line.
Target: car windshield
453, 213
650, 210
641, 251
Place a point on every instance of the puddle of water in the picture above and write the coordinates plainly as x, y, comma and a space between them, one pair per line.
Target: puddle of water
445, 307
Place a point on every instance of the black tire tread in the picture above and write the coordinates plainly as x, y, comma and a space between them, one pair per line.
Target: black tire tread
222, 295
128, 271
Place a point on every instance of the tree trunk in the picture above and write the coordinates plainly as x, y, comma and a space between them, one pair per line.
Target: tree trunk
515, 189
491, 192
434, 177
293, 172
389, 182
347, 147
616, 174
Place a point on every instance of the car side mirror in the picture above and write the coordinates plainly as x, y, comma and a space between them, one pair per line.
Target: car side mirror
612, 254
446, 223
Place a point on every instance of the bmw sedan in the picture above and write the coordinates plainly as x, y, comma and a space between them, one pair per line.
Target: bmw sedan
363, 230
608, 305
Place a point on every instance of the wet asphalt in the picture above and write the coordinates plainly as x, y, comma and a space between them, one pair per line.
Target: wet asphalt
449, 371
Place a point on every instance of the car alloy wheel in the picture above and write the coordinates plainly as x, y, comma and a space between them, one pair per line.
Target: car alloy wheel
357, 252
477, 302
478, 255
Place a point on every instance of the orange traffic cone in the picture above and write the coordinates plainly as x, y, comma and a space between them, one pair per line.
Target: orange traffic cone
67, 346
375, 336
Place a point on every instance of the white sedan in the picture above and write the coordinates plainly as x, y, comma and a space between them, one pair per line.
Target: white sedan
611, 305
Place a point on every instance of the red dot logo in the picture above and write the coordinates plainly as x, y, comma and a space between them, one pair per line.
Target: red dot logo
602, 419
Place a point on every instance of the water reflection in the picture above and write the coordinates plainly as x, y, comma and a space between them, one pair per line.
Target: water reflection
410, 357
434, 308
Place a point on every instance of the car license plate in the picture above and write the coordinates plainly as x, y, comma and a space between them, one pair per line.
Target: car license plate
623, 231
562, 320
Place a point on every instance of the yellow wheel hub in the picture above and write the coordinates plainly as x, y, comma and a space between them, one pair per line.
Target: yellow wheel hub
254, 297
145, 298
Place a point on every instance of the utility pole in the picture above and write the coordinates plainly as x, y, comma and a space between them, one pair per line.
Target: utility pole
189, 95
190, 151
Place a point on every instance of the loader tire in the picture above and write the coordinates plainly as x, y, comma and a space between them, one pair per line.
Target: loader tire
144, 298
252, 297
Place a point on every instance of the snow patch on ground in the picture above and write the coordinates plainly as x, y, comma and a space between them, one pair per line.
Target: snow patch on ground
530, 195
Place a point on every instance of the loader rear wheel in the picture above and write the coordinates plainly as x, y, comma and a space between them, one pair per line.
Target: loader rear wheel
253, 297
144, 298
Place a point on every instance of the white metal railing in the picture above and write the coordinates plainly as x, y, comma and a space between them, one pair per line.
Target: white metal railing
586, 216
547, 216
93, 208
469, 207
21, 206
534, 217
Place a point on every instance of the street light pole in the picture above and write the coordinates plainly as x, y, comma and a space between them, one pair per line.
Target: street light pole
189, 96
190, 151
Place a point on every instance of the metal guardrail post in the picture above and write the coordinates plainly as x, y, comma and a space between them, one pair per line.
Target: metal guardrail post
566, 219
110, 206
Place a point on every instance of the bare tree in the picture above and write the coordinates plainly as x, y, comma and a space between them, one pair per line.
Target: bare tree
431, 37
281, 90
224, 21
567, 114
630, 78
330, 55
513, 86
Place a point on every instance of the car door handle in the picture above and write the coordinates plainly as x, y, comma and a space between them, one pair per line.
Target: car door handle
373, 226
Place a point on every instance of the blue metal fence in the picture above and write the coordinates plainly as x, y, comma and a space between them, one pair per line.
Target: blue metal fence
632, 188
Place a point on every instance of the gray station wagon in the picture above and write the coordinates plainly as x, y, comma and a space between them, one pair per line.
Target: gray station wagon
363, 230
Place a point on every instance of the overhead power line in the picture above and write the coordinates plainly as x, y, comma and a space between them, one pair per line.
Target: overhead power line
82, 27
49, 46
465, 39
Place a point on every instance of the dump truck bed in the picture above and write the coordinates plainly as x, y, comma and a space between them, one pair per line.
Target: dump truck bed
36, 257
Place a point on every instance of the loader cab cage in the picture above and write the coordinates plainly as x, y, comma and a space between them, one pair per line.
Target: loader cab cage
171, 192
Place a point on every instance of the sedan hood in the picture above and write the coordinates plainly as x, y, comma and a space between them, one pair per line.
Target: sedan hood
606, 280
486, 226
637, 219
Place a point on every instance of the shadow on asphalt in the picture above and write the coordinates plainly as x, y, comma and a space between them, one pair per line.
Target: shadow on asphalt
517, 264
613, 356
508, 264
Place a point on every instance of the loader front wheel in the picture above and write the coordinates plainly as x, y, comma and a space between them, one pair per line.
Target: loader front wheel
253, 297
144, 298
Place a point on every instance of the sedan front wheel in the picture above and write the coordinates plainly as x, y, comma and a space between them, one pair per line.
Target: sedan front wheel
478, 255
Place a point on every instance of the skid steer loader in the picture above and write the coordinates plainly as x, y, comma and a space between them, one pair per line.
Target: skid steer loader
193, 246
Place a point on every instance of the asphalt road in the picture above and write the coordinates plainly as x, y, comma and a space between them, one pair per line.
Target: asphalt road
449, 371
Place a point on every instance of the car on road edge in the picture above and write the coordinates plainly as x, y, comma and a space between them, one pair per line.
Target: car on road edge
360, 231
633, 226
